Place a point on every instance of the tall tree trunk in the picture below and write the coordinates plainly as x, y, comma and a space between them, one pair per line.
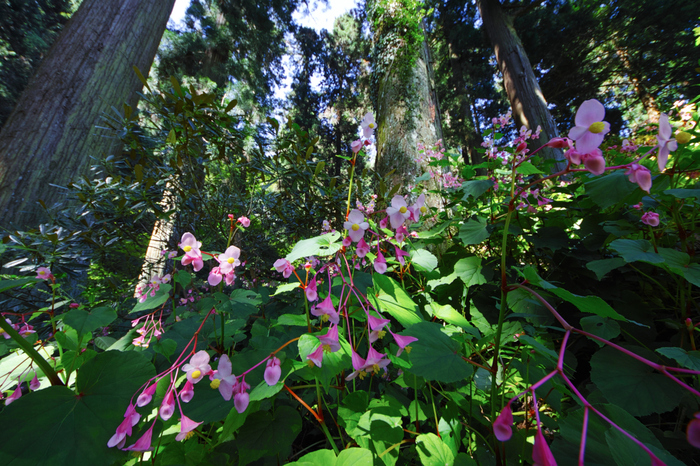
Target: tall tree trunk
407, 112
51, 133
526, 99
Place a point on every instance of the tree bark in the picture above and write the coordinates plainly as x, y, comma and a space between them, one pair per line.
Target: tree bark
51, 133
524, 93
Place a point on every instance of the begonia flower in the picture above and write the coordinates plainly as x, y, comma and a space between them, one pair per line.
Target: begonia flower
245, 221
229, 278
311, 291
362, 248
400, 254
639, 174
187, 392
692, 432
375, 361
356, 225
368, 125
229, 259
131, 418
380, 263
383, 223
215, 276
44, 273
146, 396
401, 233
241, 399
376, 325
273, 371
15, 395
329, 341
356, 145
559, 143
227, 381
594, 162
326, 311
357, 363
418, 208
284, 267
503, 425
403, 342
666, 144
316, 356
193, 255
651, 219
187, 425
167, 407
398, 211
144, 443
198, 366
34, 384
541, 454
590, 129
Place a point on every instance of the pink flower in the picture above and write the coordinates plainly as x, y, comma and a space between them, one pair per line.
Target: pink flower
403, 342
329, 341
193, 255
187, 425
15, 395
651, 219
559, 143
187, 392
398, 212
326, 311
242, 398
167, 407
311, 291
74, 305
400, 253
44, 273
368, 125
215, 276
284, 267
502, 426
245, 221
666, 144
590, 128
362, 248
357, 363
131, 418
418, 208
198, 366
273, 371
375, 361
356, 146
380, 263
229, 260
356, 225
316, 356
376, 325
383, 223
639, 174
693, 431
34, 384
228, 382
594, 162
541, 454
144, 443
146, 396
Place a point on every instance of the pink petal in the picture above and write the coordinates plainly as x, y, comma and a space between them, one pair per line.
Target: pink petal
589, 112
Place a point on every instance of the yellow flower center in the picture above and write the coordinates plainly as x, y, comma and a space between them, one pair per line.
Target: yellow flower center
42, 272
187, 248
597, 127
188, 435
230, 260
375, 368
381, 334
355, 227
423, 210
408, 349
682, 137
325, 317
371, 125
196, 374
403, 209
362, 375
327, 349
310, 363
215, 384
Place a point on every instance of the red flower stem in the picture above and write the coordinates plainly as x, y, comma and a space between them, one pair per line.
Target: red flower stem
303, 403
556, 315
584, 434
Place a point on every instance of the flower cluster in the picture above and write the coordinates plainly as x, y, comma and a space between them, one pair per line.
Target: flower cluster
143, 291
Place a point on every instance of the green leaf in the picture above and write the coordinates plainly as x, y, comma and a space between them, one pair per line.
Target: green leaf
433, 451
332, 364
355, 457
687, 359
183, 278
389, 297
527, 168
633, 250
475, 188
152, 302
683, 193
474, 231
451, 316
435, 356
610, 189
9, 284
423, 260
265, 434
601, 327
321, 246
632, 385
469, 270
69, 429
603, 266
285, 287
318, 458
84, 322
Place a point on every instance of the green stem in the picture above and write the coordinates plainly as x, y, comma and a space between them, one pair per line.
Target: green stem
352, 175
330, 438
32, 353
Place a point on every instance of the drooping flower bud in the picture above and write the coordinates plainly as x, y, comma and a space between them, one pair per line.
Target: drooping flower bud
502, 426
